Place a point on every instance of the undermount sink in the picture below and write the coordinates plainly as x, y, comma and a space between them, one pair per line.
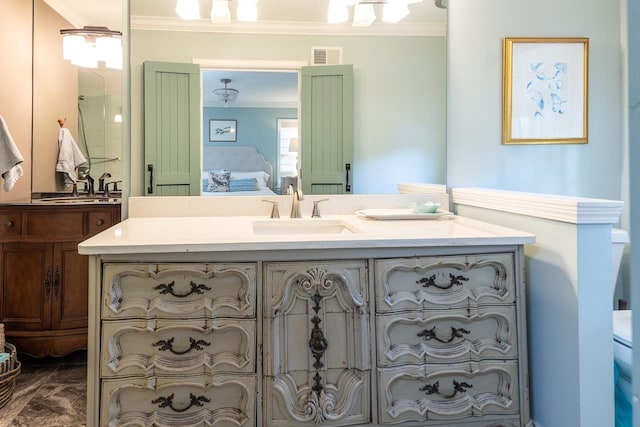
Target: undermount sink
78, 200
302, 226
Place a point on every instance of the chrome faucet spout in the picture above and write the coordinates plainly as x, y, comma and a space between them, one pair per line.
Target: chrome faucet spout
295, 202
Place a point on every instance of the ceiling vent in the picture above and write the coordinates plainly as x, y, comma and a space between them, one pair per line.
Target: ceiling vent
326, 55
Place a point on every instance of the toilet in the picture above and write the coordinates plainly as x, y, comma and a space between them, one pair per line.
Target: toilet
622, 340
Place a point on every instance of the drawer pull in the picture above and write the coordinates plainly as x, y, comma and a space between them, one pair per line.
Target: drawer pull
168, 345
457, 387
100, 222
167, 402
168, 289
430, 334
9, 224
431, 281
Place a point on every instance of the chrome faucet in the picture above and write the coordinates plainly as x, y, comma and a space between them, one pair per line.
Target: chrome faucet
295, 203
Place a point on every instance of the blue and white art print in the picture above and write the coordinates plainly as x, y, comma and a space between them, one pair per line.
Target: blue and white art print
545, 91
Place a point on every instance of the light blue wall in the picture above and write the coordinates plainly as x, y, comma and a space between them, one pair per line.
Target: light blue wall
475, 155
399, 95
254, 126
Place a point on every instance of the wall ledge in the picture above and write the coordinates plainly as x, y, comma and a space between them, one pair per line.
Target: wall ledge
574, 210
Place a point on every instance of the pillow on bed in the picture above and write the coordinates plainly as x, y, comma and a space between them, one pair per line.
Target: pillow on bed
261, 177
218, 181
245, 184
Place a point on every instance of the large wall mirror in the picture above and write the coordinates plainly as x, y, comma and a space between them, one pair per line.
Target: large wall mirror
87, 100
399, 73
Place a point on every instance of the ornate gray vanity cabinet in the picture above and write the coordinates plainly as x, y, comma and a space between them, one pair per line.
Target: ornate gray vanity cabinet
274, 331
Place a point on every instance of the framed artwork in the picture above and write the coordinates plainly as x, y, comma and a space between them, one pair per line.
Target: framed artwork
545, 90
223, 130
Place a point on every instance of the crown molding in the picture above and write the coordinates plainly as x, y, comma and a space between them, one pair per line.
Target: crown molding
149, 23
574, 210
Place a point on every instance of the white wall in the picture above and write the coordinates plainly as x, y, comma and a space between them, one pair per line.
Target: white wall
475, 154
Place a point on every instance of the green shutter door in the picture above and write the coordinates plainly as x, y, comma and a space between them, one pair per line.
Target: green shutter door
172, 129
327, 129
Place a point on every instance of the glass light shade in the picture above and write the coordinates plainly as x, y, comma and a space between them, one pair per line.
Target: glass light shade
87, 56
363, 15
338, 12
394, 11
188, 9
220, 13
247, 10
71, 46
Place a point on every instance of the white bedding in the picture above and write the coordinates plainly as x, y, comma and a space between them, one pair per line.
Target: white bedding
263, 192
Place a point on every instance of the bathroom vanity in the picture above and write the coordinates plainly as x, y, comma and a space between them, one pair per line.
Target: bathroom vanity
43, 280
340, 320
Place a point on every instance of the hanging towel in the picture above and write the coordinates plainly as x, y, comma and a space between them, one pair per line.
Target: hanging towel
10, 157
69, 156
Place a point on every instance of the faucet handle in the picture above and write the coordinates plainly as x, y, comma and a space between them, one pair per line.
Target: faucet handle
274, 210
316, 210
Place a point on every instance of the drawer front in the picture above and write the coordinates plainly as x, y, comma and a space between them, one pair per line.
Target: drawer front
447, 336
10, 224
450, 392
179, 290
99, 220
61, 224
227, 401
201, 346
461, 281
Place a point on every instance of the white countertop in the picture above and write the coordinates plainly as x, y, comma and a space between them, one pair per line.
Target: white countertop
226, 233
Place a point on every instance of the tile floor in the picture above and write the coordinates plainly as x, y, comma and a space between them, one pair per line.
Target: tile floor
50, 392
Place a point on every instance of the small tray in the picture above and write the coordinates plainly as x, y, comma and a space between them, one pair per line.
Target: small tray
392, 214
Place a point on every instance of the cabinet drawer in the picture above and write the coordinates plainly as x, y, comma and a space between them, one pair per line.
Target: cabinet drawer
10, 224
178, 347
179, 290
223, 400
454, 335
444, 282
98, 220
447, 392
61, 224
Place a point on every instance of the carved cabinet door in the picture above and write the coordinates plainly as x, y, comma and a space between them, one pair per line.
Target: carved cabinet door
316, 343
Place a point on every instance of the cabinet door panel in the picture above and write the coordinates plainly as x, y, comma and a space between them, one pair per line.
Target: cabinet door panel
27, 284
70, 287
316, 343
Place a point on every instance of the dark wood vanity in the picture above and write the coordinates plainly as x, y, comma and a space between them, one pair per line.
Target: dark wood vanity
43, 279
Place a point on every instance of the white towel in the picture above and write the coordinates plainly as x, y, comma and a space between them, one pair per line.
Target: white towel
10, 157
69, 156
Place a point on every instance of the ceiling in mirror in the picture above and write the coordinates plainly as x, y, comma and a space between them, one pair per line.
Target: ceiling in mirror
256, 89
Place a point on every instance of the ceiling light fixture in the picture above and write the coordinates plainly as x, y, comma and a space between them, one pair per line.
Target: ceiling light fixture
189, 10
364, 13
220, 13
87, 46
226, 94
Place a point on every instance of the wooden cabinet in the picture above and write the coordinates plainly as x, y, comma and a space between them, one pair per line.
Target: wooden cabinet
281, 340
43, 279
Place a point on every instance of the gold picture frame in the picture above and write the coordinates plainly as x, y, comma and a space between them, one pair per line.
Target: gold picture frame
545, 90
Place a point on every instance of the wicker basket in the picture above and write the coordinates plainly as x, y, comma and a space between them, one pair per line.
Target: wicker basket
9, 373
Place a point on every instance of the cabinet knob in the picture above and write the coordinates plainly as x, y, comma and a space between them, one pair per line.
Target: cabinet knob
9, 224
100, 222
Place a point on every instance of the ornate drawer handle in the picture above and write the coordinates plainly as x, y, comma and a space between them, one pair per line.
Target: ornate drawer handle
56, 280
167, 402
431, 281
434, 389
430, 334
47, 281
9, 224
195, 289
168, 345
